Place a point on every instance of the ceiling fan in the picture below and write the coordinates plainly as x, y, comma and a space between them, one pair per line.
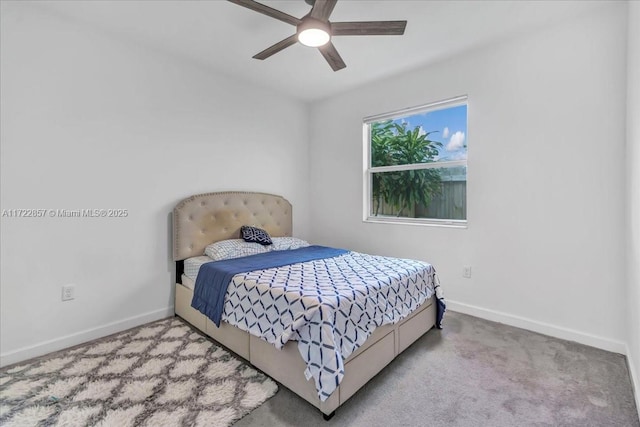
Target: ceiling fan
315, 29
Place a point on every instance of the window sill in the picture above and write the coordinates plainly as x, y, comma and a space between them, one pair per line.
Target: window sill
424, 222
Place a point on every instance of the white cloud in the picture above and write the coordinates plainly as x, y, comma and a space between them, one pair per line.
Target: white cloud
445, 132
456, 142
421, 131
460, 155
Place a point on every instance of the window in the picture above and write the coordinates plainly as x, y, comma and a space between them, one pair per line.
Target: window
416, 165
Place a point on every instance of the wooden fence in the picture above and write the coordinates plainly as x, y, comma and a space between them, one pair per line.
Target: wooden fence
450, 204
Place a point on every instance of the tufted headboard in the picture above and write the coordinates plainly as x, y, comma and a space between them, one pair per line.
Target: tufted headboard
206, 218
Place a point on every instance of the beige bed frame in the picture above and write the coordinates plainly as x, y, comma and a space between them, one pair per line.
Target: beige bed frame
206, 218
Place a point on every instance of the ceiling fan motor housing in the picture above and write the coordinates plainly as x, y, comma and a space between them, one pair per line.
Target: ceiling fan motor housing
312, 23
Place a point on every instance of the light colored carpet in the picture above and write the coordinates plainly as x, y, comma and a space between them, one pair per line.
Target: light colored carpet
160, 374
476, 373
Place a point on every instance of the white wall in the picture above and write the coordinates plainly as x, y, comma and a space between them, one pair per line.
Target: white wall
633, 193
90, 121
546, 132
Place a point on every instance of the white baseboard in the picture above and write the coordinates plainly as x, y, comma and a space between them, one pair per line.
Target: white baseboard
56, 344
540, 327
635, 380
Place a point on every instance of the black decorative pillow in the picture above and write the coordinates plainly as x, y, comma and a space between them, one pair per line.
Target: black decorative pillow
255, 234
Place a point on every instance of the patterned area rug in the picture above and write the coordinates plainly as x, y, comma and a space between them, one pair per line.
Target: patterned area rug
160, 374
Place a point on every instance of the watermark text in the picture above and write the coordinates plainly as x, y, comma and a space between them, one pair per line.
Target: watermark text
65, 213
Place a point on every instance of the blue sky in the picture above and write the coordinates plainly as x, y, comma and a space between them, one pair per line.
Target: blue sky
450, 125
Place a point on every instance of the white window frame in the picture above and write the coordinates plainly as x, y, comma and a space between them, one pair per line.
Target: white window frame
368, 171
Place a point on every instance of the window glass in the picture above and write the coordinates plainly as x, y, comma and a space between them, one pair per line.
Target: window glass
417, 164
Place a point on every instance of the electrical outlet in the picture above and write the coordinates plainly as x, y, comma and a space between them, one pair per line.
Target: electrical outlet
466, 271
68, 292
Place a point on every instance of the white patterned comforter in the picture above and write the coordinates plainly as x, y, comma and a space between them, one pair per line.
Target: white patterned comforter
330, 306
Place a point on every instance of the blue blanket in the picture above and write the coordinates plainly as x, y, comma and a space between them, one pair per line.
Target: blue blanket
214, 277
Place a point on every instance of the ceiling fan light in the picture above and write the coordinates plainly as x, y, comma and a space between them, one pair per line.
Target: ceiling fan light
313, 32
313, 37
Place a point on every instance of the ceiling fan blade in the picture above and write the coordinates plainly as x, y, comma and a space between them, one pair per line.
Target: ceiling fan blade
332, 56
269, 11
277, 47
368, 28
322, 9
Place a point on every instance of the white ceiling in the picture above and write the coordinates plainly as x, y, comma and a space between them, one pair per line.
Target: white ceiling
223, 36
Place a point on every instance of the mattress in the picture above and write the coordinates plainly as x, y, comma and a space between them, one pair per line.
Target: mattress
329, 306
188, 283
192, 267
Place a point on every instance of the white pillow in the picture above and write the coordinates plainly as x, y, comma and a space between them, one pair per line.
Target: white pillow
233, 248
286, 243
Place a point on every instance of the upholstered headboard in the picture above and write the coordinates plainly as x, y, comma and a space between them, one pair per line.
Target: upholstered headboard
206, 218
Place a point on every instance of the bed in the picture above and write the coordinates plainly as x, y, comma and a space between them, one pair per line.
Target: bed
203, 219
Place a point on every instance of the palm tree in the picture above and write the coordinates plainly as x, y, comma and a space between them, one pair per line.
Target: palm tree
396, 144
381, 136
